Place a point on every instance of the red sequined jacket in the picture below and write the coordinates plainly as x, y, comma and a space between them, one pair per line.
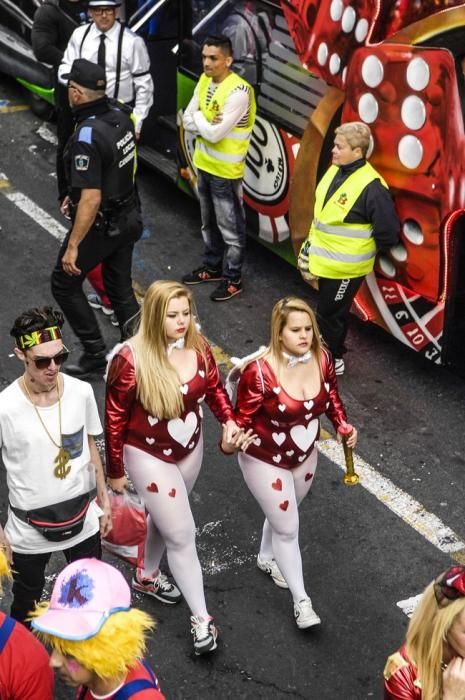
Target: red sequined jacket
128, 423
286, 428
400, 678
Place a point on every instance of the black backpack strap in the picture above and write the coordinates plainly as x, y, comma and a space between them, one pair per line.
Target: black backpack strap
118, 61
84, 38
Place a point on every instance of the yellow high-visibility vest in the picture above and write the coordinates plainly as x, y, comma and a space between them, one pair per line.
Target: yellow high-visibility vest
226, 158
339, 250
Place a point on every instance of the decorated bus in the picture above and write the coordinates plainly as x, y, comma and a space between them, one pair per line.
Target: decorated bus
397, 65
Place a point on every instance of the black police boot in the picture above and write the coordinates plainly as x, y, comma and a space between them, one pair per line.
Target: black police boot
89, 364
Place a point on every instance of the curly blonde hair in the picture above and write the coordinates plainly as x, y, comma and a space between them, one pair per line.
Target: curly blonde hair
114, 650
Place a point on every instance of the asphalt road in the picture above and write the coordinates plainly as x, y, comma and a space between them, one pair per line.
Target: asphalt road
360, 558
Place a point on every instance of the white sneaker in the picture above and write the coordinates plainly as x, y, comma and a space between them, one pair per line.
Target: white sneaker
304, 614
205, 635
271, 568
339, 366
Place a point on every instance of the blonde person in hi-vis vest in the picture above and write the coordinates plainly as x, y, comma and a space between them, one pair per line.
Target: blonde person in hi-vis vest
221, 113
353, 219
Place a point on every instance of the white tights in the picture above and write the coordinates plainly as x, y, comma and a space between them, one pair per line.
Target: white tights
165, 489
279, 493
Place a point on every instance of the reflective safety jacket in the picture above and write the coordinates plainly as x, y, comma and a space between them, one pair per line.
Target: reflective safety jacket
340, 250
226, 158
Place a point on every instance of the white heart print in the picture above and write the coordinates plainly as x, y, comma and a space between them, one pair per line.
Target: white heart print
167, 452
279, 438
257, 442
182, 430
308, 404
202, 398
149, 441
289, 453
275, 422
152, 420
184, 389
326, 386
302, 458
304, 436
191, 445
282, 407
308, 416
277, 458
276, 389
201, 373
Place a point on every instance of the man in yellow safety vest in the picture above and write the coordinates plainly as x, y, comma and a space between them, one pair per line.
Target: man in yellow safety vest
221, 114
354, 218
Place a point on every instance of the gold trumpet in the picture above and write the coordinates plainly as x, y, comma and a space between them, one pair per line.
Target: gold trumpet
351, 478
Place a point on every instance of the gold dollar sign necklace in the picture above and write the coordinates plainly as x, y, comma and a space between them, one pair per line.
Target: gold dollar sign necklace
62, 469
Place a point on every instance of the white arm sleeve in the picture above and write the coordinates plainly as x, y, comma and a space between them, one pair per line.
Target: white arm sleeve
235, 107
191, 109
142, 81
71, 53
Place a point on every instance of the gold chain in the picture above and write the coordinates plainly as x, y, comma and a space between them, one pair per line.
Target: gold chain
38, 413
62, 469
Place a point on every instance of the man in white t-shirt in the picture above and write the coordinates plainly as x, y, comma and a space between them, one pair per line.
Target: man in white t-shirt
47, 426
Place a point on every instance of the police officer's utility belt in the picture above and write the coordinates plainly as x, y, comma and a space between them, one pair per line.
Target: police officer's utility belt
115, 205
59, 521
122, 216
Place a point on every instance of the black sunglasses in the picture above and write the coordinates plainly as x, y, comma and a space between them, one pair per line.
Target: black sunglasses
58, 359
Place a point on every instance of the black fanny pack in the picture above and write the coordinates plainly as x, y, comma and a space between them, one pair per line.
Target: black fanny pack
59, 521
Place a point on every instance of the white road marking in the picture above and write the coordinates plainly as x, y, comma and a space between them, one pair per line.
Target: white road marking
401, 503
27, 206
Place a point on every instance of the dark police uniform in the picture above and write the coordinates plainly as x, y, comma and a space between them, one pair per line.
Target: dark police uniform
101, 155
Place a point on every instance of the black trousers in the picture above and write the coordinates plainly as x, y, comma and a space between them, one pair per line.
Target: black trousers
334, 301
29, 574
65, 127
115, 254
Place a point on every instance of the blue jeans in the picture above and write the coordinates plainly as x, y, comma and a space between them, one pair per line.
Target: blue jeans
223, 223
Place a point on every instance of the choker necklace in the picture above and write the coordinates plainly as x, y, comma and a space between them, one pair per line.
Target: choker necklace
293, 360
178, 344
62, 469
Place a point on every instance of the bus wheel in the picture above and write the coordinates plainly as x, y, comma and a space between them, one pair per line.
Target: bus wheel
41, 108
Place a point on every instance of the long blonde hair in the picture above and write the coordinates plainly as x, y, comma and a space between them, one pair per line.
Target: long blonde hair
425, 639
158, 383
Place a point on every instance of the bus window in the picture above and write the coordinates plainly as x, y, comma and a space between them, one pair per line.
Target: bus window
247, 24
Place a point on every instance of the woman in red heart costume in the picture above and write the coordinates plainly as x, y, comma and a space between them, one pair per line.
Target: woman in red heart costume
431, 663
280, 396
157, 382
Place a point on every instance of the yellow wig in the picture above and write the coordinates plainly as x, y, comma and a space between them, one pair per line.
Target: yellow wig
5, 571
115, 649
